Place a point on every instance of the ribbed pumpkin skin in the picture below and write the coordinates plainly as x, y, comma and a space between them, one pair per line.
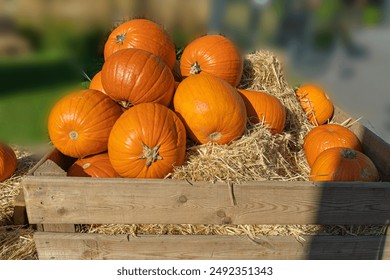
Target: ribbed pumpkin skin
98, 166
317, 106
80, 123
8, 162
136, 76
210, 108
260, 105
328, 136
142, 34
142, 128
343, 164
96, 82
215, 55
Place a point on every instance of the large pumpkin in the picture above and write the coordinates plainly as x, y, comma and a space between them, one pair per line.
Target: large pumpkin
134, 76
343, 164
96, 82
8, 161
80, 123
263, 107
211, 109
147, 141
316, 104
328, 136
142, 34
215, 55
98, 166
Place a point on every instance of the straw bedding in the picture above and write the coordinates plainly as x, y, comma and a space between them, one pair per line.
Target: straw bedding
258, 155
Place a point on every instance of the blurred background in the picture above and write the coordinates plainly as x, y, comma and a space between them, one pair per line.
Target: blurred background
50, 47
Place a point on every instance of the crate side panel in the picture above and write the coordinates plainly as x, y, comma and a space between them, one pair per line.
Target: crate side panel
118, 201
97, 247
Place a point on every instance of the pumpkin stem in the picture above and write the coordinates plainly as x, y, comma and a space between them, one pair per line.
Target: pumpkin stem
195, 68
151, 155
125, 104
120, 39
73, 135
215, 136
86, 165
348, 153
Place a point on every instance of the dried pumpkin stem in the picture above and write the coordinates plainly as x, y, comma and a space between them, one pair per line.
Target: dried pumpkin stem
348, 153
73, 135
125, 104
151, 155
195, 68
120, 39
215, 136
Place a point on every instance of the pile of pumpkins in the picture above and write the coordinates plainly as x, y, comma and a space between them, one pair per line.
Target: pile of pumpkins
333, 152
135, 118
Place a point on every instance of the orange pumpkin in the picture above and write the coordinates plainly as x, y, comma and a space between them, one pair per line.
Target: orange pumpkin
263, 107
80, 123
96, 82
210, 108
98, 166
328, 136
343, 164
134, 76
8, 162
147, 141
215, 55
316, 104
142, 34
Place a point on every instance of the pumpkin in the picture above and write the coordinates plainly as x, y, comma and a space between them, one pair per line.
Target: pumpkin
316, 104
215, 55
141, 34
210, 108
134, 76
343, 164
263, 107
326, 136
98, 166
96, 82
8, 162
147, 141
80, 123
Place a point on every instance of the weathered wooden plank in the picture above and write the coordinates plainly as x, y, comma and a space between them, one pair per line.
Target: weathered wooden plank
123, 201
96, 246
373, 146
49, 168
58, 227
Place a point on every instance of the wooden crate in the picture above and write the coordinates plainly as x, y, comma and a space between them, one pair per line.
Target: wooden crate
56, 203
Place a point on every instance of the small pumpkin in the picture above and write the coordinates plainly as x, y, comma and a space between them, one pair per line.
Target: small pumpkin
343, 164
215, 55
142, 34
98, 166
210, 108
263, 107
79, 124
147, 141
134, 76
96, 82
316, 104
8, 162
326, 136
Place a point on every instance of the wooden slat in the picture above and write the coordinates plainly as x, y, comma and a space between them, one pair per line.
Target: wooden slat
95, 246
373, 146
49, 168
123, 201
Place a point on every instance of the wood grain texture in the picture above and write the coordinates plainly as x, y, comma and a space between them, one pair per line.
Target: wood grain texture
61, 246
373, 146
19, 216
124, 201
